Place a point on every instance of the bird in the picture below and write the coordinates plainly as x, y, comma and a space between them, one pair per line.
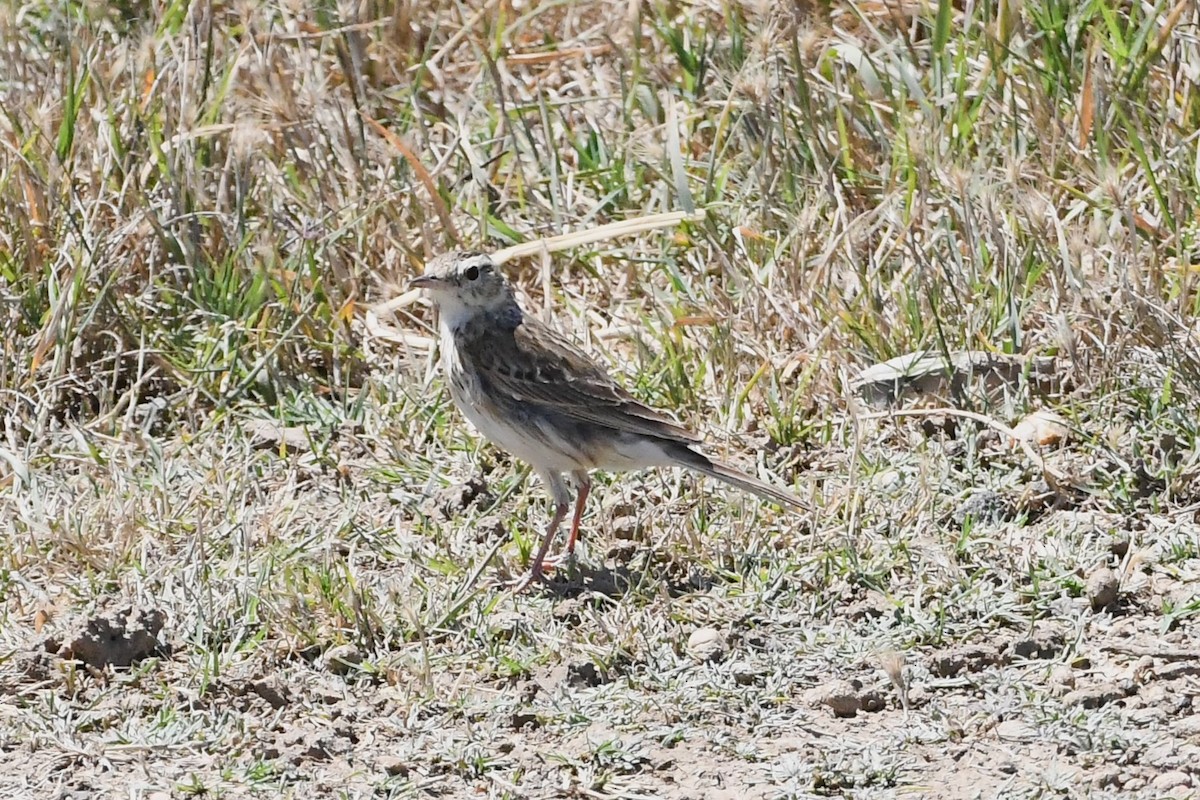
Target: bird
531, 391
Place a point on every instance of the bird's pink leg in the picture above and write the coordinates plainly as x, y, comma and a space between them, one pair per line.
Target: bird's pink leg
536, 569
585, 486
562, 500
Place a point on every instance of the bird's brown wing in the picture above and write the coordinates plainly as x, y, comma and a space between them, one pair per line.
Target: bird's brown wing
533, 364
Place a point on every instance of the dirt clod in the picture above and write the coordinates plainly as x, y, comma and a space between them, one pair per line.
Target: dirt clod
1109, 777
842, 698
448, 502
1103, 588
1095, 696
1046, 642
394, 766
116, 638
34, 666
744, 673
1062, 677
524, 720
342, 659
1119, 546
272, 690
985, 506
490, 529
872, 700
584, 673
963, 658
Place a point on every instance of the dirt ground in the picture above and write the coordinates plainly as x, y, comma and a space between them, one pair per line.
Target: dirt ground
333, 655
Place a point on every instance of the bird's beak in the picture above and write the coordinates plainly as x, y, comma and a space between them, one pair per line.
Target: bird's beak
423, 282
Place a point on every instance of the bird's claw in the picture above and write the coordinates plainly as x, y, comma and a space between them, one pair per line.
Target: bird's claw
537, 573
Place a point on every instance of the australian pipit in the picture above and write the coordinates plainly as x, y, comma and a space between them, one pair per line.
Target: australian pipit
533, 393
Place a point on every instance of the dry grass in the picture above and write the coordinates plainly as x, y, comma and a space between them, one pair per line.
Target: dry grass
200, 200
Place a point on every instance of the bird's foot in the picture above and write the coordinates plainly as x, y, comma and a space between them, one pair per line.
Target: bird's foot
555, 562
538, 572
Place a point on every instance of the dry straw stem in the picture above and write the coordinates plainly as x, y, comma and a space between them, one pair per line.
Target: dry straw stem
612, 230
439, 205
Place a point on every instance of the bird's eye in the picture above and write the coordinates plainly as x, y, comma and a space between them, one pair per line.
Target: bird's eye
472, 273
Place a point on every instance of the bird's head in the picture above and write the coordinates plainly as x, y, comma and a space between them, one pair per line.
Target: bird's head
463, 283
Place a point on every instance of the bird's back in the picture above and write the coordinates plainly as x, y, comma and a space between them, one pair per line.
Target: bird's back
529, 363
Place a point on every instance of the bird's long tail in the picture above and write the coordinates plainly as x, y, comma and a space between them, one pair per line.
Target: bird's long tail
735, 477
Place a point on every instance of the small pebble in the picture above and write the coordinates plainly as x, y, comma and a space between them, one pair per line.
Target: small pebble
1108, 777
706, 644
1043, 428
1015, 730
872, 700
625, 527
743, 672
1172, 781
1062, 677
